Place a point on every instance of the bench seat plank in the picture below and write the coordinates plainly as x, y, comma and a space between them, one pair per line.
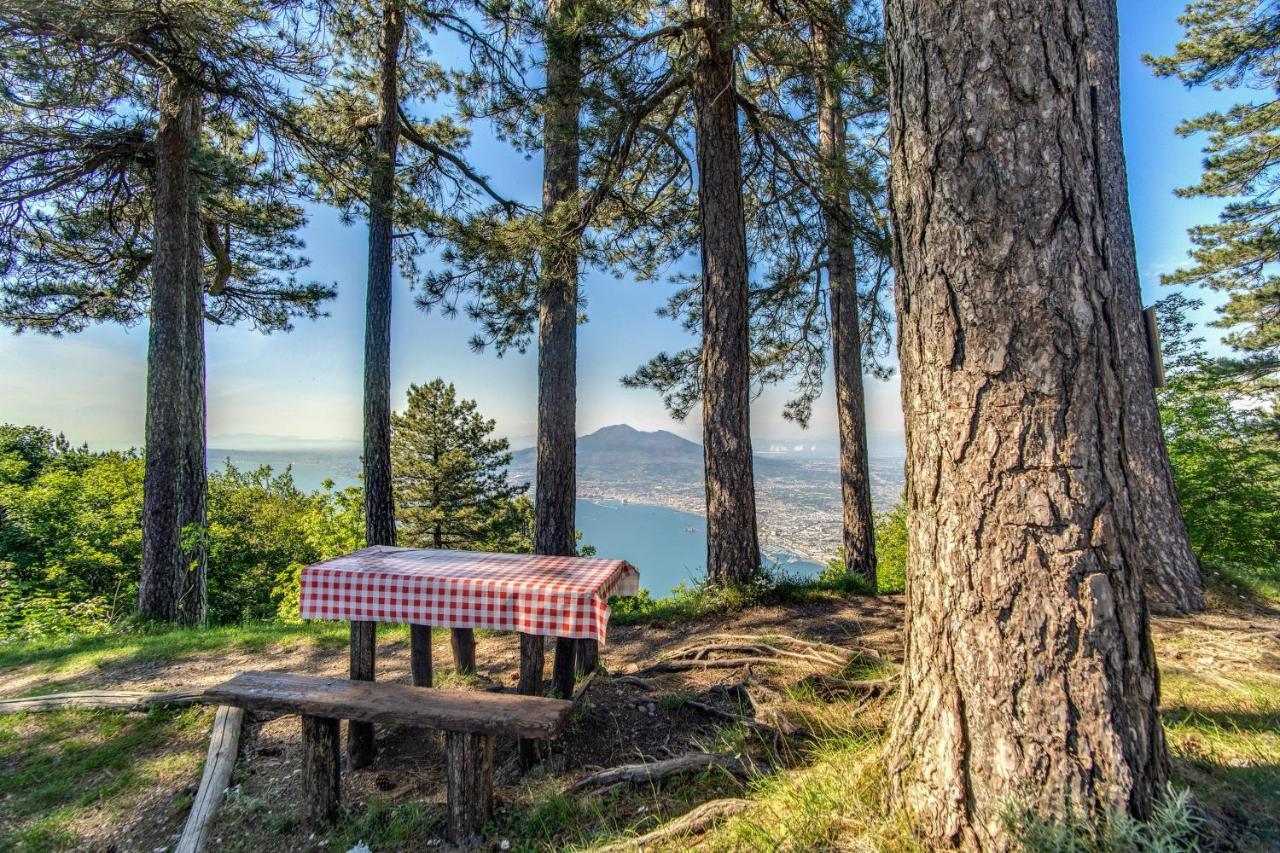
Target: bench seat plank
470, 711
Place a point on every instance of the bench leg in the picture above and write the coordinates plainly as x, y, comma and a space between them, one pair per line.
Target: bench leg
533, 650
562, 674
360, 745
587, 657
420, 654
463, 641
321, 784
470, 784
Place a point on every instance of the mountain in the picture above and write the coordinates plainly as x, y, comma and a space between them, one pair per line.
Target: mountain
621, 452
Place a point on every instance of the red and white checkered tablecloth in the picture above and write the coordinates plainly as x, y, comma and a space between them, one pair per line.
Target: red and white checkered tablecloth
549, 596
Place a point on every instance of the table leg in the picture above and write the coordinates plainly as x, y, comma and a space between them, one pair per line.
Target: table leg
420, 654
562, 674
463, 641
360, 745
533, 652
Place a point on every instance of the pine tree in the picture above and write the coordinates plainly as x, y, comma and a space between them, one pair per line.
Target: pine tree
449, 473
116, 171
1231, 44
1029, 677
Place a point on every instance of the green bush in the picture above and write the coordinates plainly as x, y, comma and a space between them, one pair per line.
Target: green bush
891, 558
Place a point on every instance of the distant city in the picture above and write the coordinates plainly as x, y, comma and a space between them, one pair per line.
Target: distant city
797, 483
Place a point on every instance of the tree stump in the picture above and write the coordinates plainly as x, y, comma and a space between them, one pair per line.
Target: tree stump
470, 784
420, 654
321, 784
562, 674
463, 641
360, 745
532, 659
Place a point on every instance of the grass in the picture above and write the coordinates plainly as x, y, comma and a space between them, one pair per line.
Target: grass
63, 769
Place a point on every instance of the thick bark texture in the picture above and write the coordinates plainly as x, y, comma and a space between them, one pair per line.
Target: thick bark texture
858, 539
558, 293
733, 551
193, 588
380, 522
1172, 579
1029, 676
163, 576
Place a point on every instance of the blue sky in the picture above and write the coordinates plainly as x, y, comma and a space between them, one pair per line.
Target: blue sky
306, 384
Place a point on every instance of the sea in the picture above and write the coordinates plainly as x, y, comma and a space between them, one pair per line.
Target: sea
668, 546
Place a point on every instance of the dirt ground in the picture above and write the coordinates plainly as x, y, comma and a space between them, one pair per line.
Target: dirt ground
618, 723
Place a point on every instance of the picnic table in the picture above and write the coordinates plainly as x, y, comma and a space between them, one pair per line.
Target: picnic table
536, 595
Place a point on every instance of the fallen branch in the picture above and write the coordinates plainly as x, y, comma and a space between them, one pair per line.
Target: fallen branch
632, 680
105, 700
692, 762
224, 744
694, 822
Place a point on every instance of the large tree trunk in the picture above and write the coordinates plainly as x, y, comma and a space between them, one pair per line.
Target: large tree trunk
558, 292
733, 552
380, 522
855, 477
1029, 676
1172, 579
163, 573
554, 526
193, 594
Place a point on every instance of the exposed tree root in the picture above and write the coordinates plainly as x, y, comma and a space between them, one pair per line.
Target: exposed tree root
694, 822
686, 665
94, 700
692, 762
830, 686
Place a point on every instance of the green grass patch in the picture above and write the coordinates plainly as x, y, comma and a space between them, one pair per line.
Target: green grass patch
59, 766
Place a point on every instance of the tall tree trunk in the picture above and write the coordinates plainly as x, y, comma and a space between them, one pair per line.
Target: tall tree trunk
380, 523
554, 523
163, 565
855, 477
193, 593
558, 291
733, 551
379, 505
1029, 675
1172, 580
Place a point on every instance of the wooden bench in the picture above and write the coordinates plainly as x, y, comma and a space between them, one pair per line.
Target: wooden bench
470, 719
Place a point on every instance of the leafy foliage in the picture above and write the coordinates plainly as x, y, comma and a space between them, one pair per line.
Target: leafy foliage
1225, 453
891, 554
70, 537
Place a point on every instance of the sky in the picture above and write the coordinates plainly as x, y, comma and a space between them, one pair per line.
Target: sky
306, 385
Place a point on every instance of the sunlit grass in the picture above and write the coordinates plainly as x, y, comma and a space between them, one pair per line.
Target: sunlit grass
61, 766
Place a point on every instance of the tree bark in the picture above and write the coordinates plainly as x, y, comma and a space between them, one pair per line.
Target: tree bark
1172, 581
193, 586
858, 533
1029, 677
733, 551
163, 571
380, 522
379, 505
554, 531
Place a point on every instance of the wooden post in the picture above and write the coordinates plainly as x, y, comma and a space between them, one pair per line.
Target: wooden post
562, 675
224, 743
470, 785
463, 641
321, 784
420, 654
587, 656
360, 745
532, 657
